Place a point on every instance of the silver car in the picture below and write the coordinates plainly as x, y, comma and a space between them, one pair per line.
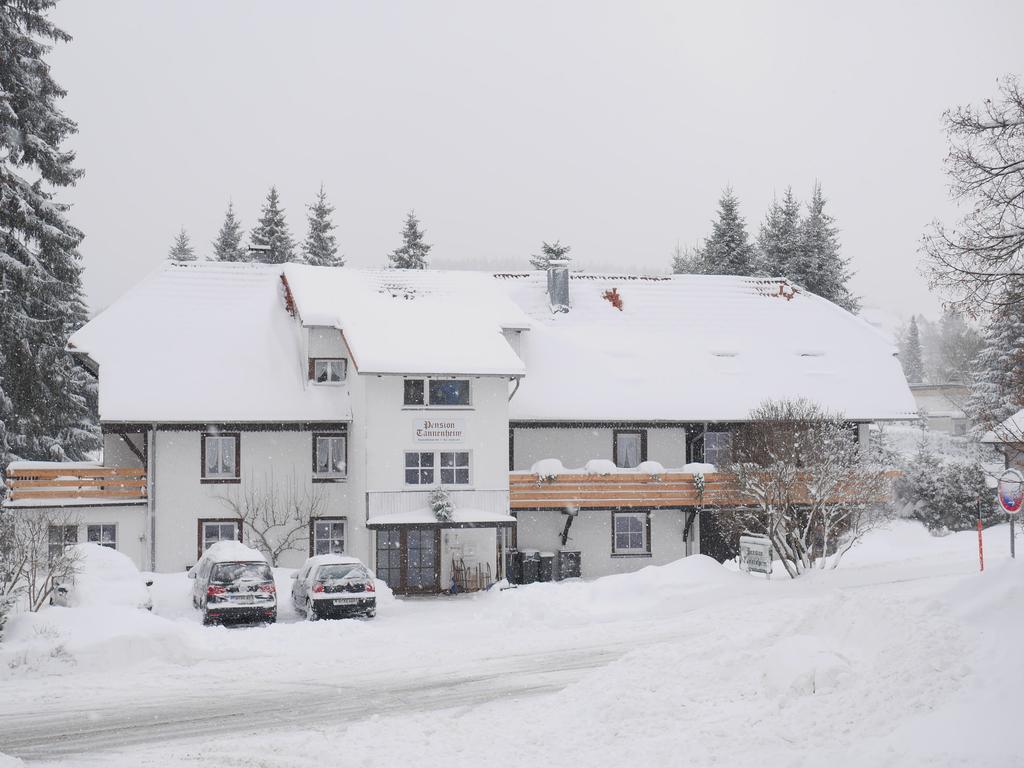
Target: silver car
334, 586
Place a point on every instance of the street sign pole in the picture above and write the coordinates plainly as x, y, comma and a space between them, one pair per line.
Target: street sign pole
1010, 492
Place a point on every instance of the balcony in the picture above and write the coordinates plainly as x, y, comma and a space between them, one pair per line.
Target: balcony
45, 483
621, 490
473, 509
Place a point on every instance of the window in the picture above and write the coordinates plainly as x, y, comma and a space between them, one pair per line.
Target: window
327, 370
389, 557
631, 533
629, 448
327, 536
104, 535
717, 448
212, 531
60, 536
419, 468
454, 467
414, 392
437, 393
329, 456
221, 457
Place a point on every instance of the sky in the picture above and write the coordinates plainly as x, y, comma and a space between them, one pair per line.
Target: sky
612, 127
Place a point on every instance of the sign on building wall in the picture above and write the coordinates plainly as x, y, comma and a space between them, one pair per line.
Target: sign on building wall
439, 430
756, 554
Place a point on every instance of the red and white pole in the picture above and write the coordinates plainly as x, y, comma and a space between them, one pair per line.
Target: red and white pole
981, 548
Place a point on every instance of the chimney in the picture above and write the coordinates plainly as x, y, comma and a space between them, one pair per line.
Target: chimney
558, 285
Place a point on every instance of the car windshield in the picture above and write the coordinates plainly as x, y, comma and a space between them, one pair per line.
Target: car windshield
341, 571
226, 573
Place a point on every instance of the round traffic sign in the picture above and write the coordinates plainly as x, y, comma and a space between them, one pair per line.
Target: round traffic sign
1011, 491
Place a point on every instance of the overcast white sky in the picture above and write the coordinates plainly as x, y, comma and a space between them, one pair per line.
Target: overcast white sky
610, 126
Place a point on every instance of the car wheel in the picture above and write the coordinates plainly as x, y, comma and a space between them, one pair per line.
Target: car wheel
311, 614
207, 621
371, 612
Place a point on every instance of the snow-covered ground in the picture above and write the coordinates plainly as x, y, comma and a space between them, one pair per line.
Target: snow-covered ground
906, 655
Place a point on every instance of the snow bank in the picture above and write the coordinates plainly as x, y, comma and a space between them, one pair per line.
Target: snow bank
802, 665
106, 577
6, 761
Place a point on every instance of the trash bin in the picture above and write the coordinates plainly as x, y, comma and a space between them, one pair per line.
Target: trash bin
531, 566
514, 566
546, 572
569, 564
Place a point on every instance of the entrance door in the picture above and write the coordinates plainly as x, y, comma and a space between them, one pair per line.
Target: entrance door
408, 559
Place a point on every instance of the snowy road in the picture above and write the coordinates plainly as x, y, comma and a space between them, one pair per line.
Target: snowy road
879, 663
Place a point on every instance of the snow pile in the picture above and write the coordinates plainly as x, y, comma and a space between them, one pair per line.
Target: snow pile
554, 467
802, 665
232, 551
106, 577
601, 467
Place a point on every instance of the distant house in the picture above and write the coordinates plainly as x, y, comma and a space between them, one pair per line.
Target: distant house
1008, 439
556, 411
942, 406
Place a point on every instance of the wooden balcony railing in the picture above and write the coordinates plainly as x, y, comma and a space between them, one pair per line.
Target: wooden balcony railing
625, 489
74, 482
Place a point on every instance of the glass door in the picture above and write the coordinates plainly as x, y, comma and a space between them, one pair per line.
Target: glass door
422, 573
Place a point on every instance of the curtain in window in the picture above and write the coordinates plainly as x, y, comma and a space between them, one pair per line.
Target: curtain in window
627, 449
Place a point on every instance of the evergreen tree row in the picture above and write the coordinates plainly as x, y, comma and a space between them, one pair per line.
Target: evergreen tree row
804, 249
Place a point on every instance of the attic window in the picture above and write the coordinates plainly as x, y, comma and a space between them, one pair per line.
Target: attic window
327, 370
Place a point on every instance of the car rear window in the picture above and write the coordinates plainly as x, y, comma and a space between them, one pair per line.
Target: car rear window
227, 573
341, 571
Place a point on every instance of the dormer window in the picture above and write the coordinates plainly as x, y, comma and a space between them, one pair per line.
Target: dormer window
327, 370
437, 393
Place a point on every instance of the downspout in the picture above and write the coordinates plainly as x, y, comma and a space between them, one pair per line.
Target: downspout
515, 388
151, 493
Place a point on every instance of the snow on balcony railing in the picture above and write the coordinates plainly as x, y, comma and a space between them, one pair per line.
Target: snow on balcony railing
44, 482
405, 507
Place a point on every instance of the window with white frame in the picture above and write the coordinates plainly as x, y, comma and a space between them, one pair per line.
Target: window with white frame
631, 533
212, 531
60, 536
329, 456
327, 370
436, 393
718, 448
221, 457
419, 467
327, 536
104, 534
454, 467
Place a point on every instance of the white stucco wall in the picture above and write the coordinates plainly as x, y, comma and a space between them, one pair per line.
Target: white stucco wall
575, 446
129, 519
591, 533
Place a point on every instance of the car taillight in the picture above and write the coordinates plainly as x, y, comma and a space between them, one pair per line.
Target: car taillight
371, 587
211, 591
268, 588
318, 587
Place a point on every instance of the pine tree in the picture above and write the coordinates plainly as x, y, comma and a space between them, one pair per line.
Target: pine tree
182, 249
818, 266
778, 241
228, 245
413, 252
688, 261
913, 367
728, 251
47, 403
550, 252
321, 247
272, 234
997, 389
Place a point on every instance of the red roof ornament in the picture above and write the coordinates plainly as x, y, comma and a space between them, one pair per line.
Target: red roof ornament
613, 297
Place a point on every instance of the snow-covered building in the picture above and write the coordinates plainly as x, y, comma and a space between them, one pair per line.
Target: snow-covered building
555, 411
1007, 437
942, 406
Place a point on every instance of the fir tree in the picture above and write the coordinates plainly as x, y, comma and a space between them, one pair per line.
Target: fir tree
728, 251
413, 252
913, 367
47, 403
997, 389
228, 245
778, 241
272, 234
818, 266
550, 252
182, 249
321, 247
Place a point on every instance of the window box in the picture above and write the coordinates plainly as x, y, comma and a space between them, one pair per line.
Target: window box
221, 457
631, 534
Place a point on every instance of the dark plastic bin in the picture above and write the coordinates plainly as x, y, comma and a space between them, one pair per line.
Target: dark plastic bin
531, 567
546, 571
569, 564
514, 566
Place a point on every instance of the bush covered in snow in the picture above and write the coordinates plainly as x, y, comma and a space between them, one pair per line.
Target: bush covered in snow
943, 491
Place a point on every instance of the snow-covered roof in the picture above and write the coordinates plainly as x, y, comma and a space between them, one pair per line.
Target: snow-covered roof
1009, 431
696, 348
426, 516
201, 342
412, 321
196, 342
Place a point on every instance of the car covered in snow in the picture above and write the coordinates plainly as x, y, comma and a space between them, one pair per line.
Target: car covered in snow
233, 583
102, 576
334, 586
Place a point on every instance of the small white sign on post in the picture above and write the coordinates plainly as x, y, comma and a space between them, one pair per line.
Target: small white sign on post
756, 555
439, 430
